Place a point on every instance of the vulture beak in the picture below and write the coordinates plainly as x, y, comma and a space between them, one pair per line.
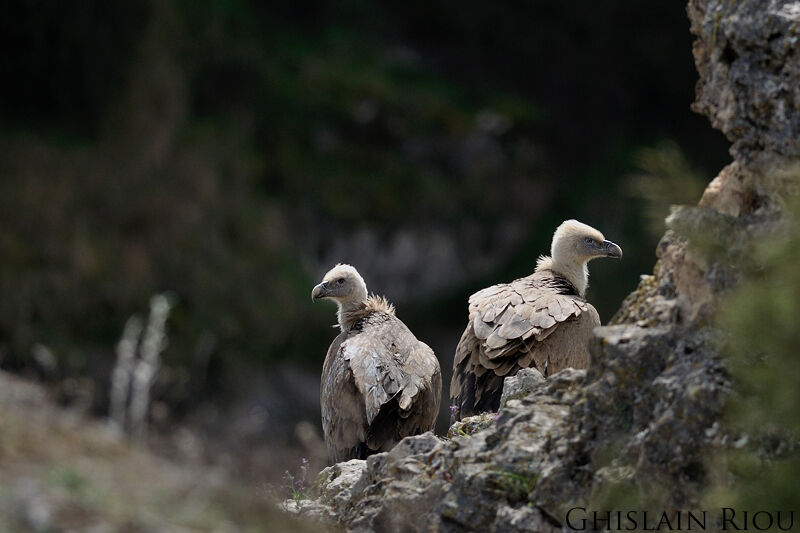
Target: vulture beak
320, 291
612, 250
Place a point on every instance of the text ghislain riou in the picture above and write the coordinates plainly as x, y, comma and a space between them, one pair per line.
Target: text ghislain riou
725, 519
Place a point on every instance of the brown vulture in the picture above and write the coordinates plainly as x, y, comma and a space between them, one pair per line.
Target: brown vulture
379, 383
541, 320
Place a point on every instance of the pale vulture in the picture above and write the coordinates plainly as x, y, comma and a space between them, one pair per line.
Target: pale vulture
379, 383
541, 320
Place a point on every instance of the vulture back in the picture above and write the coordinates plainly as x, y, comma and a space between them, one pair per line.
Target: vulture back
539, 321
379, 384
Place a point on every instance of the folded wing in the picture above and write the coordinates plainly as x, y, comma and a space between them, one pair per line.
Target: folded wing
536, 321
379, 384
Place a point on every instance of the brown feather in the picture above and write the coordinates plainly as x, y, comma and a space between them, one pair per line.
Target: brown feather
379, 384
538, 320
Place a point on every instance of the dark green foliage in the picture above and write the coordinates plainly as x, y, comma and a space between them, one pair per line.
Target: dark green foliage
761, 318
206, 148
666, 178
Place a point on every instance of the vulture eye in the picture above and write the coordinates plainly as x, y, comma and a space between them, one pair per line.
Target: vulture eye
340, 281
588, 240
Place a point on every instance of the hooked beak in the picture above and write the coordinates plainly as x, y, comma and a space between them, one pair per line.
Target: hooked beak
612, 250
320, 291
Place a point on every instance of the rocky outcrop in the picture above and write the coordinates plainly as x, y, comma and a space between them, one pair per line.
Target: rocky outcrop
646, 414
474, 482
748, 56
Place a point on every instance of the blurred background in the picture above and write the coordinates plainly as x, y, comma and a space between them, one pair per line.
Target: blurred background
225, 154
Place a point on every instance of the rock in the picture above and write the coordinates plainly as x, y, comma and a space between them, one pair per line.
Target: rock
523, 520
310, 510
471, 425
520, 385
748, 57
334, 486
31, 506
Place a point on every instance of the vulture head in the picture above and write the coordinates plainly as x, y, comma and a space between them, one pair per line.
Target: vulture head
574, 245
342, 284
345, 286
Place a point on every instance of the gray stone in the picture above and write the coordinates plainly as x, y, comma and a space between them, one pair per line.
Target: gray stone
518, 386
471, 425
748, 57
335, 484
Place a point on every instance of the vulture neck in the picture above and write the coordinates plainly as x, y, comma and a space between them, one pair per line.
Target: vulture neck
575, 272
351, 312
352, 307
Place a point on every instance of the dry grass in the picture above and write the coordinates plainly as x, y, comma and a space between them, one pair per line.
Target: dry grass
59, 472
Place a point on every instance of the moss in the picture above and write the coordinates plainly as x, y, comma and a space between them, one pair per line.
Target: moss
760, 318
471, 425
512, 484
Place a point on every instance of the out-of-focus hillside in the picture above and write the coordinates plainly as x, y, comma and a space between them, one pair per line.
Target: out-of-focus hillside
61, 472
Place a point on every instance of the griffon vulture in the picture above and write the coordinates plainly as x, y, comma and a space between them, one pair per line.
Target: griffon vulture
541, 320
379, 383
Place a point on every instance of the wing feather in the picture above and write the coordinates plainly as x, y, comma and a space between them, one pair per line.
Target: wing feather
482, 329
514, 328
510, 327
389, 382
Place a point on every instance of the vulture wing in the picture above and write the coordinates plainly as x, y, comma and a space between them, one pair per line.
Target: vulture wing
535, 321
379, 384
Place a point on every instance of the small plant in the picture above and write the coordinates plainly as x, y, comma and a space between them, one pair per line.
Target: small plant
138, 361
453, 410
69, 479
515, 486
296, 486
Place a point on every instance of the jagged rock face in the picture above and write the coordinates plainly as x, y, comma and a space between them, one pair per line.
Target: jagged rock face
647, 411
520, 385
478, 482
748, 57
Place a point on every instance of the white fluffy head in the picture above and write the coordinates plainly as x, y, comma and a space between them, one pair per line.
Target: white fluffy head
343, 284
571, 242
574, 245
